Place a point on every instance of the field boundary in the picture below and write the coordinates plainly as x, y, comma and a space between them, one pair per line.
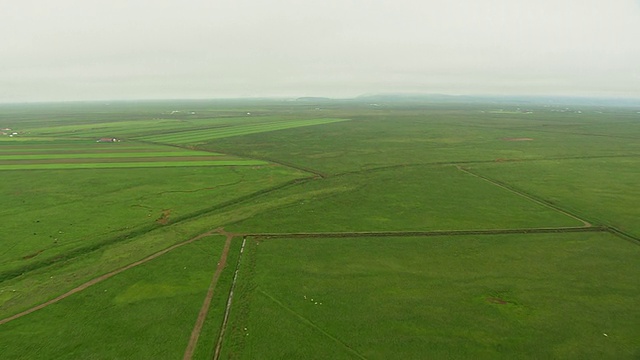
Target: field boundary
525, 195
432, 233
470, 162
262, 158
104, 277
129, 165
227, 311
623, 235
204, 310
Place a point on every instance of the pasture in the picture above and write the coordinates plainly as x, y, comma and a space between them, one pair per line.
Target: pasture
494, 296
603, 189
155, 303
33, 155
420, 198
207, 134
419, 229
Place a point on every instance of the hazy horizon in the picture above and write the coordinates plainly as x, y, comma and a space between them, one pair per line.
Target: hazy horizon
73, 50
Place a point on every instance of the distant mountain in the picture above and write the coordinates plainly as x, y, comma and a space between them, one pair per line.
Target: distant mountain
516, 100
314, 99
412, 97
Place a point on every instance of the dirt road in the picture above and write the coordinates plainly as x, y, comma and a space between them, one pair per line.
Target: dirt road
195, 333
103, 277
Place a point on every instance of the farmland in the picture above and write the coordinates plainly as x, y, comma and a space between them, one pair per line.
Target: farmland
380, 298
159, 292
200, 135
331, 229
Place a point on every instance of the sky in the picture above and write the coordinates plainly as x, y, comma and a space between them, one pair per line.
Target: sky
66, 50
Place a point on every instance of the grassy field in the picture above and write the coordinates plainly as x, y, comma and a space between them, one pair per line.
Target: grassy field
487, 230
605, 190
501, 296
419, 198
155, 303
32, 155
204, 135
443, 134
54, 212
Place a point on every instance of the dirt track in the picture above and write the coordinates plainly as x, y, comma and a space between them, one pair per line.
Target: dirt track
104, 277
227, 310
195, 333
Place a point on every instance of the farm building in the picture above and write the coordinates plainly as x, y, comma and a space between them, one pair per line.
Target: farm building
108, 140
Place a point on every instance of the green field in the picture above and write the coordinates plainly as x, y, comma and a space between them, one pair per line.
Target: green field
268, 229
500, 296
420, 198
114, 155
612, 184
155, 303
48, 154
62, 211
203, 135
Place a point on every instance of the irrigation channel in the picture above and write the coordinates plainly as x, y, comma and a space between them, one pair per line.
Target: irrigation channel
204, 310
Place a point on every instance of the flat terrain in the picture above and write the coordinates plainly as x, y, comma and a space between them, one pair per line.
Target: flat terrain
609, 184
155, 303
495, 296
408, 199
330, 229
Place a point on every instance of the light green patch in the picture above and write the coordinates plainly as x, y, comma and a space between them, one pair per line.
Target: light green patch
203, 135
114, 165
110, 155
144, 291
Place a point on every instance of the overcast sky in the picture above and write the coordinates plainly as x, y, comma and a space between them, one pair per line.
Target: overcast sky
159, 49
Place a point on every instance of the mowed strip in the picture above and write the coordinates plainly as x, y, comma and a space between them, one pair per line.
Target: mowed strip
115, 159
106, 128
186, 137
134, 128
129, 128
106, 155
189, 137
42, 146
103, 156
146, 164
84, 146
